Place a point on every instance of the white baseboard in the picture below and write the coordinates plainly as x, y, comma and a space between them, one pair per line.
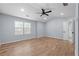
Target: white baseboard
16, 40
54, 37
61, 38
30, 39
20, 40
40, 36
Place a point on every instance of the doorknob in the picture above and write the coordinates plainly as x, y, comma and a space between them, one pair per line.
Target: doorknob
72, 32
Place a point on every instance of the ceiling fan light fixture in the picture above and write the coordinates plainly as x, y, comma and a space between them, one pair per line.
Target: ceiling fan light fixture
44, 12
22, 9
61, 14
45, 18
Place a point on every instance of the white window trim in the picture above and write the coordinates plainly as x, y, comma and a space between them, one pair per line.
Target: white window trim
23, 28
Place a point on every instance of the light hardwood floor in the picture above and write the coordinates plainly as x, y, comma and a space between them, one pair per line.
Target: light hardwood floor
44, 46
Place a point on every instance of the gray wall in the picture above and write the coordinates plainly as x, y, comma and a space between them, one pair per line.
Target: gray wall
40, 29
54, 28
7, 25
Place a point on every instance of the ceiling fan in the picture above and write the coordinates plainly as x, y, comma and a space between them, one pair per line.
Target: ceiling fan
65, 4
44, 12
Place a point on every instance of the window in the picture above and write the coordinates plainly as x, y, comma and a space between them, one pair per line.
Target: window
18, 27
22, 28
27, 28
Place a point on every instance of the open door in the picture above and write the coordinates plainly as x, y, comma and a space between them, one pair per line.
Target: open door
68, 30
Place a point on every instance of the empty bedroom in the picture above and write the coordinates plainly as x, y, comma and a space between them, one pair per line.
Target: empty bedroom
37, 29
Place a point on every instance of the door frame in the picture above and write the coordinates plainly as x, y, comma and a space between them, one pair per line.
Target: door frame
76, 29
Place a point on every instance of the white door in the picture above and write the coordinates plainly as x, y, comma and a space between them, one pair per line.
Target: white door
68, 30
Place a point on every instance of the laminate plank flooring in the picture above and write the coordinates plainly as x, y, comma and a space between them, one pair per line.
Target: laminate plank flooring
44, 46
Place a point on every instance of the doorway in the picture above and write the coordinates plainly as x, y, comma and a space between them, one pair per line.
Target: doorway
69, 30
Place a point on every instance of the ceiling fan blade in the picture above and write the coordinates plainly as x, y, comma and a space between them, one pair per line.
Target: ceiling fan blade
43, 10
48, 11
46, 14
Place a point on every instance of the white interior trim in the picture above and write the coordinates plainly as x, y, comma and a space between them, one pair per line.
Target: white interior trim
76, 35
29, 39
54, 37
16, 40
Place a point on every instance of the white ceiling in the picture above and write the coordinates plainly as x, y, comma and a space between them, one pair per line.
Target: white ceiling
32, 10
